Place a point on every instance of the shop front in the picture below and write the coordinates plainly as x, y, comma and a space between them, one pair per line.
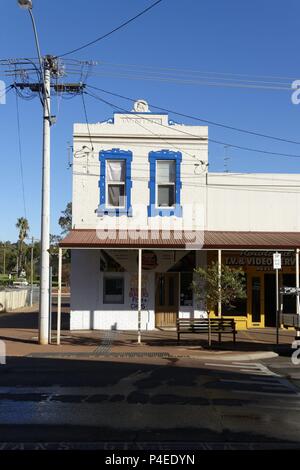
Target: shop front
116, 282
258, 310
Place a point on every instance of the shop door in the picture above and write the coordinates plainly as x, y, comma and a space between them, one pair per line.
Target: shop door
289, 301
256, 299
166, 300
270, 300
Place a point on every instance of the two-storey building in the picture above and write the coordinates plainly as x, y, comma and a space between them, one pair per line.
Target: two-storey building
142, 192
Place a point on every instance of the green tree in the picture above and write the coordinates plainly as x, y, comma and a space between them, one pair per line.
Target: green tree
206, 285
23, 227
65, 221
208, 288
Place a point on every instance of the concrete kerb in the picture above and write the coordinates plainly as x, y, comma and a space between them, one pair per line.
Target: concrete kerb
217, 356
237, 356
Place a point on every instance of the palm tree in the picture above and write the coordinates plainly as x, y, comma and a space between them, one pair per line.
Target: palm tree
23, 226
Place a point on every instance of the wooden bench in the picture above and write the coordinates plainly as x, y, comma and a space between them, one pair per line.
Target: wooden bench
201, 325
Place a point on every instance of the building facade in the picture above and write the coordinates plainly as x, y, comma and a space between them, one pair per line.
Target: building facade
141, 187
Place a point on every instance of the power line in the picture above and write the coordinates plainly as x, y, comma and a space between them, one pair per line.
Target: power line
86, 120
158, 135
249, 149
20, 156
191, 71
112, 31
194, 81
213, 123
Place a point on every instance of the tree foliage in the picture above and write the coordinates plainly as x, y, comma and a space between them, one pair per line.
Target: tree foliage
65, 221
206, 285
23, 227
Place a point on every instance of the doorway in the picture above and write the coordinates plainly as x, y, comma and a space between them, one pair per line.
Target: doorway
255, 291
270, 300
166, 299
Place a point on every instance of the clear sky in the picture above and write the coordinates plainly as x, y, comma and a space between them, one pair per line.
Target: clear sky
255, 40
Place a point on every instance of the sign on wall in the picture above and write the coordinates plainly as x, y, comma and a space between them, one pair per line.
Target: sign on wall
261, 260
133, 292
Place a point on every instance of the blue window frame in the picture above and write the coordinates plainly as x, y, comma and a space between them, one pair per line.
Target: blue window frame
154, 208
105, 157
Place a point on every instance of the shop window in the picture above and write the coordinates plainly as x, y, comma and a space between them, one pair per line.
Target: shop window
238, 307
289, 301
186, 291
256, 293
115, 182
113, 290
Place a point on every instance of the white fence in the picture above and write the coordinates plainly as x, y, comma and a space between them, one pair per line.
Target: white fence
12, 299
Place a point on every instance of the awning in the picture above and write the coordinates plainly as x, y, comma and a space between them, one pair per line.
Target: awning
91, 238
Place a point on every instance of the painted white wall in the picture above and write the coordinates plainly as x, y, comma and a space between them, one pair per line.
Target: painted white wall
226, 202
253, 202
87, 308
141, 135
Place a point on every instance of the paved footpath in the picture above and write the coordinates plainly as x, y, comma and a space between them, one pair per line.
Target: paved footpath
102, 390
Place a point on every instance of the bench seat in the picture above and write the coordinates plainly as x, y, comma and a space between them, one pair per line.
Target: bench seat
201, 325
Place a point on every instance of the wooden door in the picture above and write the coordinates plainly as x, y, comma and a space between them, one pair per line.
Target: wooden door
166, 299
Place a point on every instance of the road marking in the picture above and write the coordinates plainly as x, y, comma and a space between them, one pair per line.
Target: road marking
254, 367
275, 394
257, 382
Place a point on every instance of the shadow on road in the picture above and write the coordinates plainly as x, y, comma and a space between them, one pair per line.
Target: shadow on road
54, 400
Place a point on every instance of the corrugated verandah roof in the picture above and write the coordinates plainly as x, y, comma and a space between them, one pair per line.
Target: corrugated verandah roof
91, 238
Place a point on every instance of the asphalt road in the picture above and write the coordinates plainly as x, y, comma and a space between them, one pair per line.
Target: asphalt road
100, 402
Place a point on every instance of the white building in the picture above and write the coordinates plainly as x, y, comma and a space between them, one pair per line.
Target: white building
141, 182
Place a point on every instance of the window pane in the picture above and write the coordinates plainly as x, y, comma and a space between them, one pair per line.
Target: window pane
115, 170
186, 292
113, 291
165, 195
171, 291
161, 290
116, 195
256, 299
166, 171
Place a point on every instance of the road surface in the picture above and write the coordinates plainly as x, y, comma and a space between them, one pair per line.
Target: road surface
142, 402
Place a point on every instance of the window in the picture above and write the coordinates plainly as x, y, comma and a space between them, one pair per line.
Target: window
165, 183
113, 290
115, 182
165, 178
186, 291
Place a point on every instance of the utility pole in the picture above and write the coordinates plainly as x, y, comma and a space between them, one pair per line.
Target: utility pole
48, 67
31, 272
45, 222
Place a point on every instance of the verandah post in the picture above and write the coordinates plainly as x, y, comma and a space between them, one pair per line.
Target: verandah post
297, 296
139, 296
219, 282
59, 295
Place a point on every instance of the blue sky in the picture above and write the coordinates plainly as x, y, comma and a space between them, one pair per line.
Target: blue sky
254, 38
